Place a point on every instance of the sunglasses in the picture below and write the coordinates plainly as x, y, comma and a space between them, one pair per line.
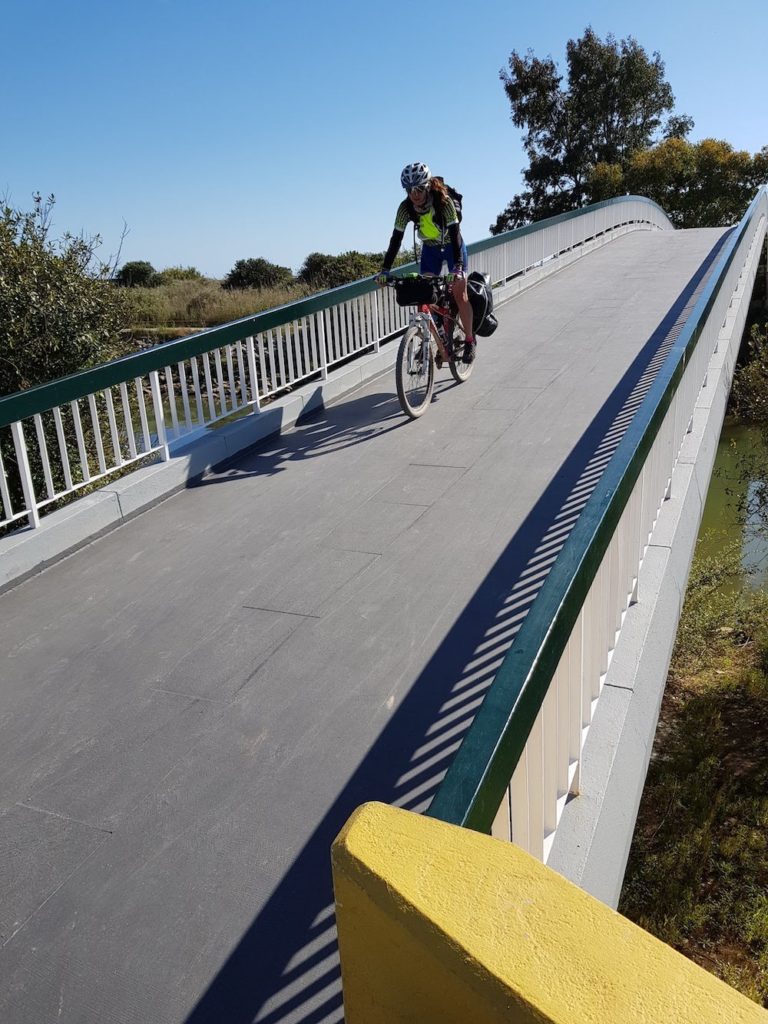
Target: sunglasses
418, 188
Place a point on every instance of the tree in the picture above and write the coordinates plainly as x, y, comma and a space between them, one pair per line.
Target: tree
58, 310
321, 271
177, 274
613, 106
136, 274
702, 184
257, 273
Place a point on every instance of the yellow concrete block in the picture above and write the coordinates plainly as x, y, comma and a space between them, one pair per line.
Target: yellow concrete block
439, 923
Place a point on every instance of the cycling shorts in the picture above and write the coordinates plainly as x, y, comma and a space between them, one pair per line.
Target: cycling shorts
432, 257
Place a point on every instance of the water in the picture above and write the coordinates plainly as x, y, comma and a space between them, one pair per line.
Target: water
719, 522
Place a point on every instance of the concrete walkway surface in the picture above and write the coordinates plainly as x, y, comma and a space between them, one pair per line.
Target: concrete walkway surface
191, 706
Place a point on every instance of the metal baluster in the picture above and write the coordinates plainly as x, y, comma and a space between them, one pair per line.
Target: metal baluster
143, 414
220, 383
113, 427
172, 401
209, 387
43, 448
64, 454
27, 485
249, 347
85, 469
159, 412
241, 373
97, 434
198, 390
184, 394
128, 420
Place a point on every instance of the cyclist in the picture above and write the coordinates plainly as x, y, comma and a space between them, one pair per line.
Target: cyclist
431, 209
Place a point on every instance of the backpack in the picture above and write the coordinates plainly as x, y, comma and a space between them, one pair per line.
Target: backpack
484, 323
457, 198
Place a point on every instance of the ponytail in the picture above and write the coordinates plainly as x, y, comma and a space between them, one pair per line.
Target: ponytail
438, 187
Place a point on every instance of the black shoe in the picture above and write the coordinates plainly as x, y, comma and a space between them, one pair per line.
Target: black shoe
470, 348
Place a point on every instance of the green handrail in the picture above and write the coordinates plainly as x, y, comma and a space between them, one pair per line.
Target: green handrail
37, 399
474, 785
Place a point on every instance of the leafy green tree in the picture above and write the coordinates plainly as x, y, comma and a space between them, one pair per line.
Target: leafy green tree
136, 274
702, 184
257, 273
177, 274
58, 310
321, 271
612, 105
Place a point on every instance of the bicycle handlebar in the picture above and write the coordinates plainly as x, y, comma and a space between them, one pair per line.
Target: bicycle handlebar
391, 278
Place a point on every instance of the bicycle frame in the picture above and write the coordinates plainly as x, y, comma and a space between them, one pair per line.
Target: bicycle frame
424, 318
447, 314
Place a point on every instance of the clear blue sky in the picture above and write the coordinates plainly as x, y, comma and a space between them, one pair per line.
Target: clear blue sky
223, 130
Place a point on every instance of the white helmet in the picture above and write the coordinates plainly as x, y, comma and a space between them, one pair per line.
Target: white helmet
415, 175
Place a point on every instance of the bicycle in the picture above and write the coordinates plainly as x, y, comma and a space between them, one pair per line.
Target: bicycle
424, 348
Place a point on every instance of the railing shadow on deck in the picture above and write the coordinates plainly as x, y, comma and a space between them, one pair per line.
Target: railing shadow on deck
285, 968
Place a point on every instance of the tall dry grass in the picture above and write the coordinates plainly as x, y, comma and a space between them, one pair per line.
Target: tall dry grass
182, 307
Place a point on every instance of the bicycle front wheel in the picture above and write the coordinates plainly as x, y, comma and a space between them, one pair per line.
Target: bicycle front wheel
414, 372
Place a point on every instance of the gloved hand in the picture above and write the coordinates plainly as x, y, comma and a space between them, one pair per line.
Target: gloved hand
382, 278
458, 271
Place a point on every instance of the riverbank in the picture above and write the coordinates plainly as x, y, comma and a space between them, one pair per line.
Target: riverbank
697, 875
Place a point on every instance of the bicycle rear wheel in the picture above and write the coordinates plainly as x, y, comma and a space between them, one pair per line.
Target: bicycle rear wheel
414, 373
459, 370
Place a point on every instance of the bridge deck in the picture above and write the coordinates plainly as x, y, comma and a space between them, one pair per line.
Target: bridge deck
192, 705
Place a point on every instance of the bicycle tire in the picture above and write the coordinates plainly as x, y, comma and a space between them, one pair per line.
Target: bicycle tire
415, 382
459, 370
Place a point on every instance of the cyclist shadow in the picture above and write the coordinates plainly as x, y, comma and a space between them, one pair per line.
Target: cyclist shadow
316, 433
285, 968
321, 431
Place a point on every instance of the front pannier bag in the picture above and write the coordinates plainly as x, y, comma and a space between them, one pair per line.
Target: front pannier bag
414, 291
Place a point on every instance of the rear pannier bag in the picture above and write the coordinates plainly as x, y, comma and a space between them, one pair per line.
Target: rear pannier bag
484, 322
414, 291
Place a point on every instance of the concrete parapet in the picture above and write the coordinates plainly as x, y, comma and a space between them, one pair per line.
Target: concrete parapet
440, 924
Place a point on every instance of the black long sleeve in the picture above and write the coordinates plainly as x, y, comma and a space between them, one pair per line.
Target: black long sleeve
454, 234
394, 247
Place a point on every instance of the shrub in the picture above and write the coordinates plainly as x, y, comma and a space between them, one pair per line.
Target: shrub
176, 274
749, 394
257, 273
58, 310
321, 271
136, 274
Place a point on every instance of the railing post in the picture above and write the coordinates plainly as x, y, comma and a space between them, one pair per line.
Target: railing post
376, 342
27, 484
321, 344
157, 402
251, 353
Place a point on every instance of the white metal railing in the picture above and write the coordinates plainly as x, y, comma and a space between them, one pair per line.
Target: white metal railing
540, 248
532, 730
59, 438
